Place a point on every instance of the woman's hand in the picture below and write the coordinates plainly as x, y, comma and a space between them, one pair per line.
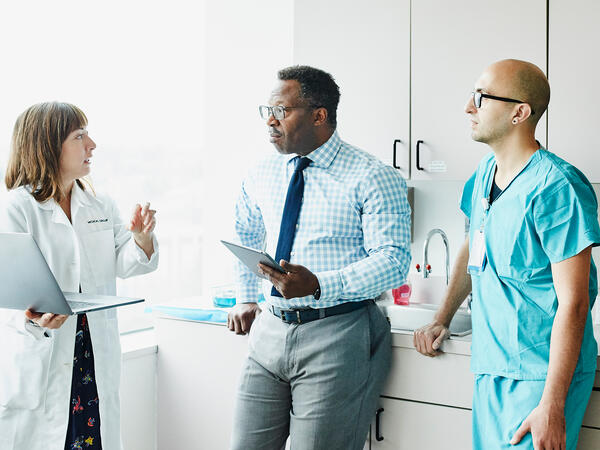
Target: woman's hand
141, 226
46, 320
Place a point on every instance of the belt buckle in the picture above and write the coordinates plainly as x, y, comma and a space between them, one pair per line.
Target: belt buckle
284, 319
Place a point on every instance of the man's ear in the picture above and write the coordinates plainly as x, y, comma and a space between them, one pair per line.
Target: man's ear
522, 113
320, 116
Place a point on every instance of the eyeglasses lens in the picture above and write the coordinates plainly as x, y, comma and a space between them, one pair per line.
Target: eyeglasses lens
278, 112
264, 112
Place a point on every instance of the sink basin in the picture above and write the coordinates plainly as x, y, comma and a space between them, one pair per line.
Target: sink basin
414, 316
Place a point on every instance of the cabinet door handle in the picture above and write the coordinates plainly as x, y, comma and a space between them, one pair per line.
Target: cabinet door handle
378, 435
396, 141
419, 142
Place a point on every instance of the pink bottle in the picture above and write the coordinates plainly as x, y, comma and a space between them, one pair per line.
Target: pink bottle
402, 294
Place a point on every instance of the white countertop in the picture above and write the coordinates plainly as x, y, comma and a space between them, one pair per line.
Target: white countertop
460, 345
134, 345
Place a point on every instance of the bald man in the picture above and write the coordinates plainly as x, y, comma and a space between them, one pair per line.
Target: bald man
527, 260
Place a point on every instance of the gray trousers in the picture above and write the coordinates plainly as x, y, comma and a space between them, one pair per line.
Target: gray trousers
316, 382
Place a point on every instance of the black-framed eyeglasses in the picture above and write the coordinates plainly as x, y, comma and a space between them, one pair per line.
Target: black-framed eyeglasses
477, 96
278, 111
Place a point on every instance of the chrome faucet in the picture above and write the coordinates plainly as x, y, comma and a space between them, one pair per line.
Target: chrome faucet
426, 266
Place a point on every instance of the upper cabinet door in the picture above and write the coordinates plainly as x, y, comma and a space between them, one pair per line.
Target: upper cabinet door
574, 68
452, 43
365, 45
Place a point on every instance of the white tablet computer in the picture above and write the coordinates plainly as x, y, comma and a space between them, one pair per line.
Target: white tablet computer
252, 257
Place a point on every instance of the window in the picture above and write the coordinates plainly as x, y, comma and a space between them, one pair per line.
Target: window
142, 73
135, 69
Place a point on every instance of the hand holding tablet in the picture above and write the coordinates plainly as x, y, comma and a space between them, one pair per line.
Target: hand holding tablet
252, 258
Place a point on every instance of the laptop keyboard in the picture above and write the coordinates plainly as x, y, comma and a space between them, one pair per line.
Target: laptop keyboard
82, 305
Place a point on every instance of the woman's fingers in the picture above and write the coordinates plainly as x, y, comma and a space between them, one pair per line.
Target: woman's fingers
149, 216
136, 220
150, 227
32, 315
56, 321
145, 208
46, 320
143, 220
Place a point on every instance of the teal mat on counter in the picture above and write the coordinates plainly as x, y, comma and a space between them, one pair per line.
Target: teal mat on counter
199, 314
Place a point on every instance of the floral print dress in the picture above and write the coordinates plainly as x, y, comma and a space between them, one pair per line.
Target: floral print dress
83, 431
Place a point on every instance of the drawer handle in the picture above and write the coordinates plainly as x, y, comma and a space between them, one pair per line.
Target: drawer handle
378, 435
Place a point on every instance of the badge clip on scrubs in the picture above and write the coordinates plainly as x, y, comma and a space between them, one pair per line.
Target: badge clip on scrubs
477, 258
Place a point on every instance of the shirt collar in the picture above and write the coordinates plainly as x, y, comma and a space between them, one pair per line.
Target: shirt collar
47, 205
324, 155
78, 196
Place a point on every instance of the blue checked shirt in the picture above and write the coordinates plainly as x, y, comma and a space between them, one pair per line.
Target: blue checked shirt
353, 231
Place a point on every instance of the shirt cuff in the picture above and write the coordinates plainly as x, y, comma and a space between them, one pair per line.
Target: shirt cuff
247, 294
23, 325
36, 331
141, 254
331, 285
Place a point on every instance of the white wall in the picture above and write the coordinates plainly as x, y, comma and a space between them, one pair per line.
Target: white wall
246, 43
436, 205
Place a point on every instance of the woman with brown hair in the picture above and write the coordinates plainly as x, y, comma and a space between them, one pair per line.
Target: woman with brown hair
59, 384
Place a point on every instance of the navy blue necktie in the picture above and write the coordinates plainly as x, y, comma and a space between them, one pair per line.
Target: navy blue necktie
291, 211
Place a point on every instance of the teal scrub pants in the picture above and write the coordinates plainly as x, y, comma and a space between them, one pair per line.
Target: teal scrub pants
501, 404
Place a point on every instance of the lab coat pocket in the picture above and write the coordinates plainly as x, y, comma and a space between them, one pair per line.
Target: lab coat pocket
99, 247
25, 364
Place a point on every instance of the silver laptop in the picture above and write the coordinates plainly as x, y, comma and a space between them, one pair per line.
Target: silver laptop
26, 282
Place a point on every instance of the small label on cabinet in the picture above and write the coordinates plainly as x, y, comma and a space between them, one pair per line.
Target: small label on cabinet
437, 166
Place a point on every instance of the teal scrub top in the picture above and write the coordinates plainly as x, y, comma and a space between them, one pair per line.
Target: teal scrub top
547, 214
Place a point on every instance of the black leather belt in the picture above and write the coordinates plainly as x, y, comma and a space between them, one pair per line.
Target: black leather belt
310, 314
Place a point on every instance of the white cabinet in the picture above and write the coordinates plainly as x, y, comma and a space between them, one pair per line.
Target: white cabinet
424, 394
415, 377
198, 370
573, 115
412, 425
404, 65
589, 439
138, 396
366, 47
452, 42
426, 401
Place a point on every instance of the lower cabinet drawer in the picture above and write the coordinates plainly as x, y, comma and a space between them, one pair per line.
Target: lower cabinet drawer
589, 439
445, 379
402, 425
592, 413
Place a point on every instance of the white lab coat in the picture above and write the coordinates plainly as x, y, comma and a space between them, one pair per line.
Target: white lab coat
35, 370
